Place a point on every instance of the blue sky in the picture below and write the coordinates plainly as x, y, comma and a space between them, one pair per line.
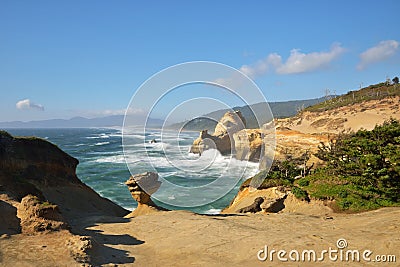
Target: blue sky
60, 59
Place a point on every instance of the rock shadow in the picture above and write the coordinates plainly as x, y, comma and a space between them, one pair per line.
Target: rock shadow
9, 222
102, 253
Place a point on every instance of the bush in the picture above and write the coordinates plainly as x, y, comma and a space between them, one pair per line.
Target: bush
300, 193
303, 182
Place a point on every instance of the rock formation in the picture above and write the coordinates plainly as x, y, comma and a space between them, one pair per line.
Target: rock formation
294, 143
222, 138
230, 123
142, 186
38, 216
273, 200
269, 200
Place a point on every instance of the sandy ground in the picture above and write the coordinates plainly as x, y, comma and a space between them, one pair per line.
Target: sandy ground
180, 238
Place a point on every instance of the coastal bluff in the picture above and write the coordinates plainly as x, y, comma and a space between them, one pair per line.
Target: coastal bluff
33, 166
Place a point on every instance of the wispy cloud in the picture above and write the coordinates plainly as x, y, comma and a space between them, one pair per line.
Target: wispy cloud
257, 69
380, 52
27, 104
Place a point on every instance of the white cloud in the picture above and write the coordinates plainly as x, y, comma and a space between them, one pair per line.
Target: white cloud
28, 104
380, 52
297, 62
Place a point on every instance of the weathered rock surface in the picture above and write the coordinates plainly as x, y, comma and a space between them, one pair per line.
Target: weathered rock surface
37, 216
142, 186
230, 123
254, 144
273, 200
222, 138
294, 143
248, 144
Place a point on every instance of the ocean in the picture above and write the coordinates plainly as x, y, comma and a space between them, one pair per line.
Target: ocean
102, 165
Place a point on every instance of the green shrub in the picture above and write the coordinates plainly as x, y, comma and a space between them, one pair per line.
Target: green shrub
303, 182
300, 193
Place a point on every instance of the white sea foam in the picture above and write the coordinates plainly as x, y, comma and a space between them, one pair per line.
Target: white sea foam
111, 159
101, 143
213, 211
100, 136
157, 146
116, 135
79, 145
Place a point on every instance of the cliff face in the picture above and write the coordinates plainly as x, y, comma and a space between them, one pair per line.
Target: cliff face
248, 144
26, 164
32, 166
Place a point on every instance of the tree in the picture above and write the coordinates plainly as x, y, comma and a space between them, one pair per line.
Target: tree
367, 159
395, 80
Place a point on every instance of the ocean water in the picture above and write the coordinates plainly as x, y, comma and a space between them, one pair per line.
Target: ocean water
102, 164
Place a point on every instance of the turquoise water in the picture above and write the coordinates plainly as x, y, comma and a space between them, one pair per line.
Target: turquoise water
102, 164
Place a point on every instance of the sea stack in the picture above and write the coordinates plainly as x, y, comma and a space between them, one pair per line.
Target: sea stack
222, 138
